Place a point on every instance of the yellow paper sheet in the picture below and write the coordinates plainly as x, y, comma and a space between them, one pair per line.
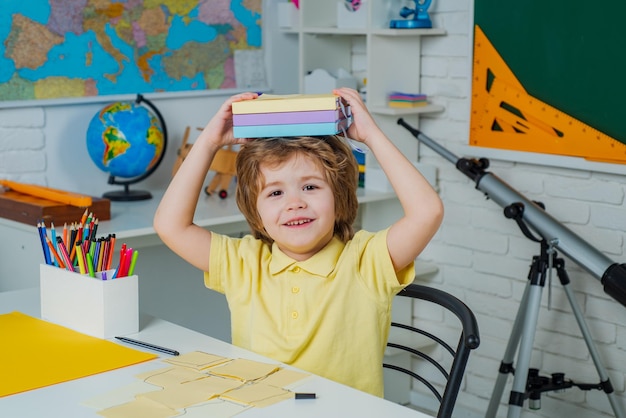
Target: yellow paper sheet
170, 376
218, 392
215, 408
257, 395
244, 370
140, 407
285, 378
197, 360
182, 395
36, 353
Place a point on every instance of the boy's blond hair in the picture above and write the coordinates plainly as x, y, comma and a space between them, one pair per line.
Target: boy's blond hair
332, 154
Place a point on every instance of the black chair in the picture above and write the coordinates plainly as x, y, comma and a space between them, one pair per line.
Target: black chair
468, 340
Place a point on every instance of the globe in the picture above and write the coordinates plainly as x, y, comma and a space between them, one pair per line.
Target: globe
128, 140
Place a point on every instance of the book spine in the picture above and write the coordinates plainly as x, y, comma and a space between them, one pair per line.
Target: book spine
285, 105
301, 129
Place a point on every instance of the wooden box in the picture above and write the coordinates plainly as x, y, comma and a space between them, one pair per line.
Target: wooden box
30, 209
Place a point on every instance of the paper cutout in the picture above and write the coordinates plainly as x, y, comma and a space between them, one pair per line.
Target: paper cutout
42, 354
170, 376
285, 378
216, 408
244, 370
182, 395
258, 395
140, 407
194, 390
197, 360
119, 396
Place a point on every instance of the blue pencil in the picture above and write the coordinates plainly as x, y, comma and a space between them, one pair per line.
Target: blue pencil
53, 233
44, 245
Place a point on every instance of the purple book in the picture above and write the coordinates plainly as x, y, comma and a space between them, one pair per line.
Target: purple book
289, 118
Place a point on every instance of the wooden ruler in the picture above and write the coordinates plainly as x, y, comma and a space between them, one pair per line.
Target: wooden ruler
505, 116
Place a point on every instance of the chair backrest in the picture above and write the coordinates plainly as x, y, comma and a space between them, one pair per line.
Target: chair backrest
451, 369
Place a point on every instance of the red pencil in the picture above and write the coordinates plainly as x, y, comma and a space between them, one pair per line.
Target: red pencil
64, 254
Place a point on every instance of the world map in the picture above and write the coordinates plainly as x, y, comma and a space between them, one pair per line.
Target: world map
52, 49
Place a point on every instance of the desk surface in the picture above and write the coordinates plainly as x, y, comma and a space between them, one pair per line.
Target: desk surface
65, 399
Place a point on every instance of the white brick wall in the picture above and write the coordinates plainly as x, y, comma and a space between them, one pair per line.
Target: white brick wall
22, 145
484, 258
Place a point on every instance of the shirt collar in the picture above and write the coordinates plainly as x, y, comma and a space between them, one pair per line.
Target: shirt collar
321, 264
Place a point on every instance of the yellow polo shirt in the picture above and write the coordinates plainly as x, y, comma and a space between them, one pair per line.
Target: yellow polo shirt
328, 315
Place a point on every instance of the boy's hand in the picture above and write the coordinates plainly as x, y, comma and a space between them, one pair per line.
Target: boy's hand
363, 126
220, 128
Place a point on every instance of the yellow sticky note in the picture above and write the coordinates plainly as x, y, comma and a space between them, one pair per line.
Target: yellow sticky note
140, 407
258, 395
244, 369
197, 360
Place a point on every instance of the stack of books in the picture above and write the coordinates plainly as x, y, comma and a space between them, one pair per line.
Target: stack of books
406, 100
290, 115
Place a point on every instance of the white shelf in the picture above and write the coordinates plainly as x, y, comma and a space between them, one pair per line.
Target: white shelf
408, 32
391, 111
335, 31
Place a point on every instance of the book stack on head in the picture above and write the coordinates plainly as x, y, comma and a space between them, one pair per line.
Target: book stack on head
290, 115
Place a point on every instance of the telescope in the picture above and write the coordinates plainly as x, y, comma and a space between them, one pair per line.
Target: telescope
612, 275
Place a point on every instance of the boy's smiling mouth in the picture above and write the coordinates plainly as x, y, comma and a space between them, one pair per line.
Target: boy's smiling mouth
298, 222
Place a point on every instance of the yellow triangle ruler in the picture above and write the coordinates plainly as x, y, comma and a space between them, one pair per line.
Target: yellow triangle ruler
505, 116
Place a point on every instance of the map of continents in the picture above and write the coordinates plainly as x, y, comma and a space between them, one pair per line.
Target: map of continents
52, 49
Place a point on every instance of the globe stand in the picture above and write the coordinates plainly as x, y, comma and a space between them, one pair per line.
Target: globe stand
127, 195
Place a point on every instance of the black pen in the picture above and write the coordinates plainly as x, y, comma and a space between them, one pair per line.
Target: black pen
305, 395
148, 345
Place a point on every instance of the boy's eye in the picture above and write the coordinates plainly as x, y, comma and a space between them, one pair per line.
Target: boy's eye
310, 187
275, 193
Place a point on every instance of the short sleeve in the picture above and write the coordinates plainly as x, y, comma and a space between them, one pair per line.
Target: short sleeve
375, 265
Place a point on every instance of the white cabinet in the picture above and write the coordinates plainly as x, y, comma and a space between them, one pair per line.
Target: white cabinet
388, 59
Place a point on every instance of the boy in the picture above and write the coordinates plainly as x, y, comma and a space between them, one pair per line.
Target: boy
304, 289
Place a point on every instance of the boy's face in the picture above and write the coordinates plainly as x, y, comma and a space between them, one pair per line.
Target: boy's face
297, 206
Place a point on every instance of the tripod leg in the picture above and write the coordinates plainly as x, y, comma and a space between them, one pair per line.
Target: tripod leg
506, 366
516, 400
604, 377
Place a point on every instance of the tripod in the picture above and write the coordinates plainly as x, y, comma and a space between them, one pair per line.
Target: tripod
527, 383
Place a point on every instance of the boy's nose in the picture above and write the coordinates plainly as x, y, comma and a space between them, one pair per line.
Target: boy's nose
295, 202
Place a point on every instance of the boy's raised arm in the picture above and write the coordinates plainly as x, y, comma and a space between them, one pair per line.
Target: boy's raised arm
173, 220
423, 209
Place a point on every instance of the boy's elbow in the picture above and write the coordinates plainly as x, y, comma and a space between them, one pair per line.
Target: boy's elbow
439, 212
159, 225
435, 211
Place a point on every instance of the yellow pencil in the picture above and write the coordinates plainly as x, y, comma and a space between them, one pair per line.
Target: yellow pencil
81, 259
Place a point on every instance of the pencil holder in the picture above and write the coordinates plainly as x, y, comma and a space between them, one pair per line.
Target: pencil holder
100, 308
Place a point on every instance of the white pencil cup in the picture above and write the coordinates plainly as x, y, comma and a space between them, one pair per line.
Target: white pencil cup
100, 308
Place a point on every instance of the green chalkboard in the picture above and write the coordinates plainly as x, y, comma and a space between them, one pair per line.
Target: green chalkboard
569, 54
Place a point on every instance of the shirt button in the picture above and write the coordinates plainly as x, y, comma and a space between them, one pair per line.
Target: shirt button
295, 289
294, 315
296, 269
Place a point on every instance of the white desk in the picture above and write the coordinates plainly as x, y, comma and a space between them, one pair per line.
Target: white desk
64, 399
